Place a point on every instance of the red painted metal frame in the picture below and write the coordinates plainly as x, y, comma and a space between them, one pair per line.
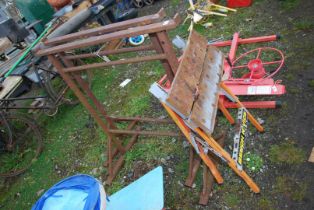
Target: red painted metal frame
267, 86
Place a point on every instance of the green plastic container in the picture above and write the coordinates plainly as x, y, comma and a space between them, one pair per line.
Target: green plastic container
34, 10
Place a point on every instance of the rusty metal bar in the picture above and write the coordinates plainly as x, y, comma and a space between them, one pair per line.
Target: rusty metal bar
168, 49
109, 28
208, 179
110, 156
111, 52
139, 30
140, 119
87, 90
112, 63
58, 65
115, 169
146, 133
115, 152
194, 164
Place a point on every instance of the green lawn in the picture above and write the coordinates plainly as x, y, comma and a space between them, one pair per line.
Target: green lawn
74, 144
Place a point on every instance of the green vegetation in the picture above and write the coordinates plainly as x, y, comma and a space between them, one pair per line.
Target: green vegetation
253, 162
286, 152
175, 2
293, 90
311, 83
289, 4
265, 203
74, 144
304, 25
232, 200
290, 76
233, 193
290, 188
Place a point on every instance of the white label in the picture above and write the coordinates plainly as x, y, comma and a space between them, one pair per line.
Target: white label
274, 88
125, 82
166, 22
251, 90
259, 90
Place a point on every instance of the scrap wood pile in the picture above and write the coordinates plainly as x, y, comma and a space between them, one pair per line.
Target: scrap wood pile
192, 90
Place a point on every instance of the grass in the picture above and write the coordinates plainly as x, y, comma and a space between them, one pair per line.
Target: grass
287, 153
304, 25
289, 4
265, 203
253, 162
71, 146
175, 2
290, 188
232, 200
311, 83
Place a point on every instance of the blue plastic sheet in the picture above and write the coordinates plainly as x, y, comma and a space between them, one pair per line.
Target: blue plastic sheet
79, 192
146, 193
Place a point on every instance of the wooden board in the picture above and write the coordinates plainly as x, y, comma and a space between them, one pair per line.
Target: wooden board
195, 88
9, 85
84, 5
6, 66
311, 158
204, 110
184, 86
5, 43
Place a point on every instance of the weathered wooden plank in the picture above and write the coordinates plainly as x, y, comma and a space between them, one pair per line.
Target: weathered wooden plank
9, 86
5, 43
182, 93
311, 158
205, 106
195, 89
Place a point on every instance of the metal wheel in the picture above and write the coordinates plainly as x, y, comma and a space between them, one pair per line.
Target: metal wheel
149, 2
137, 40
258, 64
56, 88
20, 144
138, 3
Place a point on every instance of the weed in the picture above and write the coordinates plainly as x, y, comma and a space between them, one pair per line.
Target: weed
175, 2
311, 83
289, 4
253, 162
290, 188
286, 152
265, 203
304, 25
290, 76
139, 105
294, 90
231, 200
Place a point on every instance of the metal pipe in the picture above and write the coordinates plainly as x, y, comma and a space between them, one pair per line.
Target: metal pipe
247, 41
22, 98
140, 119
146, 133
92, 41
119, 62
28, 50
108, 28
110, 52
